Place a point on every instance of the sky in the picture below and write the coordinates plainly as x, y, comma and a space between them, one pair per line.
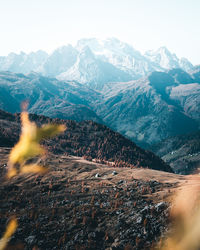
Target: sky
30, 25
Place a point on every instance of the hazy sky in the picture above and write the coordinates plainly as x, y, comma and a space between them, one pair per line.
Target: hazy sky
29, 25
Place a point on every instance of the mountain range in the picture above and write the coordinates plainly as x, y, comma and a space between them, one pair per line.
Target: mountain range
94, 62
145, 97
102, 190
146, 110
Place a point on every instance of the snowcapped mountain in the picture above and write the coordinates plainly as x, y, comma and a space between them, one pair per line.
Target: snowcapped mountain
185, 64
23, 63
59, 61
195, 72
121, 55
167, 60
95, 62
93, 71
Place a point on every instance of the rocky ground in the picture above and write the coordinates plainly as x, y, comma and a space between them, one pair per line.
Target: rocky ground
85, 205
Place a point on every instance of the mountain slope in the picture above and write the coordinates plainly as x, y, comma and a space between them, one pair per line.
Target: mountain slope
147, 110
167, 60
93, 71
70, 208
59, 61
48, 96
181, 152
87, 139
151, 109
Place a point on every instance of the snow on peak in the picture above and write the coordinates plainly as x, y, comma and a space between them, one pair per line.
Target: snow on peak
94, 44
63, 49
90, 52
86, 52
167, 60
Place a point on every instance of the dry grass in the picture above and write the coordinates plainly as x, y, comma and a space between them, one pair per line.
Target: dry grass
26, 149
185, 213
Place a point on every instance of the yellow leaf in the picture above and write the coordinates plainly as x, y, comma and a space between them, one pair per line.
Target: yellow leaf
49, 130
33, 168
28, 145
12, 172
24, 150
11, 228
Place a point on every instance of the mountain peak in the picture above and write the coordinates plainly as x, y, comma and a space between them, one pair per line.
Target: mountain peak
164, 58
85, 56
164, 49
113, 40
111, 51
93, 43
86, 52
63, 48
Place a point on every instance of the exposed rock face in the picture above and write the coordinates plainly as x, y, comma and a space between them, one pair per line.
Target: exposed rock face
92, 71
167, 60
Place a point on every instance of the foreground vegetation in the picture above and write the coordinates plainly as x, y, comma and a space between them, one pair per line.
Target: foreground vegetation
75, 207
